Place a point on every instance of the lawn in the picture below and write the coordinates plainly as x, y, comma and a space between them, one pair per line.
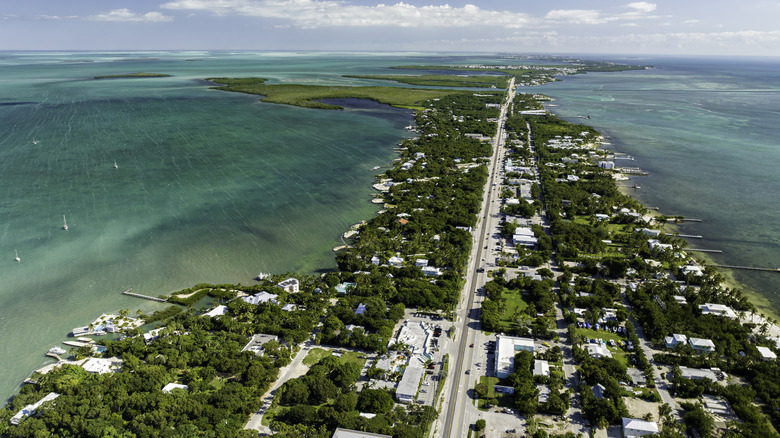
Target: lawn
504, 400
317, 354
513, 305
617, 353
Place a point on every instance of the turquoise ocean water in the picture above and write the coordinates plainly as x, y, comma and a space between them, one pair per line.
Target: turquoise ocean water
217, 187
706, 130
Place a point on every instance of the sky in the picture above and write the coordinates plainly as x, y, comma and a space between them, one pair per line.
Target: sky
672, 27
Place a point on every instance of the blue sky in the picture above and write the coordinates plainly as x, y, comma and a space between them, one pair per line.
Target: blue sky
703, 27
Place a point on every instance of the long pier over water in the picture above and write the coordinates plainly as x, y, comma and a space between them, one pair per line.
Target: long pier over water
145, 297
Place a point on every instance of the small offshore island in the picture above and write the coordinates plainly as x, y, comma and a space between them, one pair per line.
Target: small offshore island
507, 283
134, 75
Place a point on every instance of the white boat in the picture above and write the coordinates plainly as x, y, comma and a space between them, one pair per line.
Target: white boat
64, 223
17, 256
57, 350
263, 276
116, 166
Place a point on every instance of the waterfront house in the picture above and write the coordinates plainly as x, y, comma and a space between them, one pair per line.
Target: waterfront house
291, 285
100, 365
261, 297
717, 309
30, 409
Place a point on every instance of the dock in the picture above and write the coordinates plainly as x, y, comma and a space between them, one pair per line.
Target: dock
129, 292
76, 344
715, 251
748, 268
688, 236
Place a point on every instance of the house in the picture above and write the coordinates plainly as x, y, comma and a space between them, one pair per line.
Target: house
766, 354
171, 386
30, 409
541, 368
100, 365
217, 311
650, 232
656, 244
151, 335
342, 288
607, 165
361, 309
261, 297
717, 309
289, 307
637, 376
431, 271
701, 345
692, 269
407, 387
699, 373
597, 351
675, 340
255, 344
506, 348
544, 393
291, 285
396, 261
634, 427
680, 299
421, 263
598, 390
375, 260
349, 433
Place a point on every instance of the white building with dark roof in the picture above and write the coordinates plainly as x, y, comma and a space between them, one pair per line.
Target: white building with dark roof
291, 285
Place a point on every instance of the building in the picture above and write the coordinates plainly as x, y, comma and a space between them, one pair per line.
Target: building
675, 340
30, 409
431, 271
607, 165
634, 427
701, 345
171, 386
151, 335
597, 351
407, 387
698, 373
506, 348
598, 391
349, 433
766, 354
541, 368
261, 298
291, 285
421, 263
255, 344
361, 309
680, 299
217, 311
290, 307
100, 365
717, 309
396, 261
544, 393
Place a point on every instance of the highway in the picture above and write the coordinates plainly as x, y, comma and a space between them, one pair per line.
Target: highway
468, 314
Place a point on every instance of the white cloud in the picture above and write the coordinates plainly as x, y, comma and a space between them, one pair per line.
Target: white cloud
576, 16
645, 7
128, 15
690, 21
329, 13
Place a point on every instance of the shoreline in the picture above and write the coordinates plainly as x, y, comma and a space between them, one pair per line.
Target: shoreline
761, 303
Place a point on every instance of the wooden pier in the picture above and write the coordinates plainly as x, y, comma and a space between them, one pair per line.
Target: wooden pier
129, 292
747, 268
715, 251
688, 236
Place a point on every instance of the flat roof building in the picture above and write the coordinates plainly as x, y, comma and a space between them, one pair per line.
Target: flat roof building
349, 433
506, 348
766, 354
291, 285
702, 345
634, 427
698, 373
30, 409
541, 368
407, 387
717, 309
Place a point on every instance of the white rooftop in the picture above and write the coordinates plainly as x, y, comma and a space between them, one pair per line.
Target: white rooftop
217, 311
717, 309
766, 353
171, 386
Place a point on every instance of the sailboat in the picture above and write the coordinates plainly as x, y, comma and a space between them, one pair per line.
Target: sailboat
17, 256
64, 223
115, 165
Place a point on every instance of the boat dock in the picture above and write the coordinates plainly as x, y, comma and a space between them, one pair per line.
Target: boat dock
76, 344
689, 236
715, 251
748, 268
129, 292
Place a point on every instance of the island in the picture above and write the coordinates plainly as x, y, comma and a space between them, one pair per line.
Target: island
508, 285
133, 75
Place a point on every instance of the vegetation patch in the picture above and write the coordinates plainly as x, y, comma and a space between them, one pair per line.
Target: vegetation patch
481, 81
307, 96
